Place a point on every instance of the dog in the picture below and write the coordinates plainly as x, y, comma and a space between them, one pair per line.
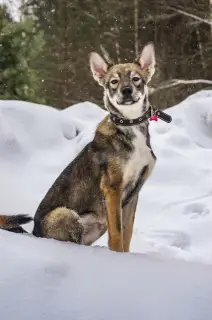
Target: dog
99, 189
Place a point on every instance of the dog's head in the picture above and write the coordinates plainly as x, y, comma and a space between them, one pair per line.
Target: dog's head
125, 85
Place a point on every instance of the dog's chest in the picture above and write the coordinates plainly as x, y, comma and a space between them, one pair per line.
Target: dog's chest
140, 157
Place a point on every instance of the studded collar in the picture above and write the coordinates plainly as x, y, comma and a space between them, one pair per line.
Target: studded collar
149, 114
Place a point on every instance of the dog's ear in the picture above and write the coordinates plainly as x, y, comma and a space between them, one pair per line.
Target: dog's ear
146, 61
98, 66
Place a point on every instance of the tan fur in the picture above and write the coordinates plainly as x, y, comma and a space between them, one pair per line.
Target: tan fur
62, 224
123, 68
111, 185
106, 127
4, 222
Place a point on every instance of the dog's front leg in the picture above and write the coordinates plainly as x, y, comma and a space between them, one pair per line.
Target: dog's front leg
113, 193
128, 221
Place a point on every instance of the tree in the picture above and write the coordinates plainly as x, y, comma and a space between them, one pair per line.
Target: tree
180, 30
20, 45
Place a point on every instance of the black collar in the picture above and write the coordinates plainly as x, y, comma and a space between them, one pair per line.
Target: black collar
148, 114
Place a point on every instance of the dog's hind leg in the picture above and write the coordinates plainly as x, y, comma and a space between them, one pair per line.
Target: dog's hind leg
66, 225
94, 228
63, 224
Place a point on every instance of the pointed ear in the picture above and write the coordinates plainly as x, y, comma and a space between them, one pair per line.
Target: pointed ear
146, 60
98, 66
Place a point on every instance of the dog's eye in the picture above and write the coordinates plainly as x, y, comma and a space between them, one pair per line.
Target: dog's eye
114, 81
136, 79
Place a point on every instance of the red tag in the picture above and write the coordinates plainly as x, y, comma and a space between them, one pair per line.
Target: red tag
153, 118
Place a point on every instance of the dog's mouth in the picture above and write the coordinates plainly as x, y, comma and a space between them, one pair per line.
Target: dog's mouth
128, 101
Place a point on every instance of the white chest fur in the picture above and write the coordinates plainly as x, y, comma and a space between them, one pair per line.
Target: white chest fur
140, 157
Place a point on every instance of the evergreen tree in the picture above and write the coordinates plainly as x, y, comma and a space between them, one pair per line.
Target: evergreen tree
20, 45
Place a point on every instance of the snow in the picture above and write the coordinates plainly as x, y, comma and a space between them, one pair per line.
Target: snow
13, 7
166, 276
42, 279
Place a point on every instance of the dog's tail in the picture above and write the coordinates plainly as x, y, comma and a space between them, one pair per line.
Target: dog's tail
13, 223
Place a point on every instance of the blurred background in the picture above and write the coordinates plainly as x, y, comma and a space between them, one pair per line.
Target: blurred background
45, 45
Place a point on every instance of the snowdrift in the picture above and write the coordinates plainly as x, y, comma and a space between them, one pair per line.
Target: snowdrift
168, 273
46, 280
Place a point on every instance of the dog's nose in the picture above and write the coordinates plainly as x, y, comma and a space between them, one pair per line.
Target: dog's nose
126, 91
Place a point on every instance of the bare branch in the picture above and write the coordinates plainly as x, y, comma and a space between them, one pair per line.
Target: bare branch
118, 51
117, 45
210, 9
177, 82
159, 17
89, 15
201, 49
193, 16
106, 55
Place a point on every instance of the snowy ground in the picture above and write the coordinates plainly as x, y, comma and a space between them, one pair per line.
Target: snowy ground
170, 278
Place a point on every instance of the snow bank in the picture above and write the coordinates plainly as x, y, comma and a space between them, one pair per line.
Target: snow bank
36, 143
168, 273
44, 279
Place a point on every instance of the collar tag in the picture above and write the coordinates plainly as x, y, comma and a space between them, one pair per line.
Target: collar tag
153, 118
163, 116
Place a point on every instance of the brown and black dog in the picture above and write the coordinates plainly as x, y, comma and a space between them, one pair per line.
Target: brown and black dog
99, 189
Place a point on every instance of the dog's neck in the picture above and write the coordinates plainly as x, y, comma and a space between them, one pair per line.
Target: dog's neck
130, 112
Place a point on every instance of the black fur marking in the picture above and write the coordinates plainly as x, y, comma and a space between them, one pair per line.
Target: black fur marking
126, 140
17, 230
19, 219
145, 104
128, 73
37, 230
118, 223
148, 143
